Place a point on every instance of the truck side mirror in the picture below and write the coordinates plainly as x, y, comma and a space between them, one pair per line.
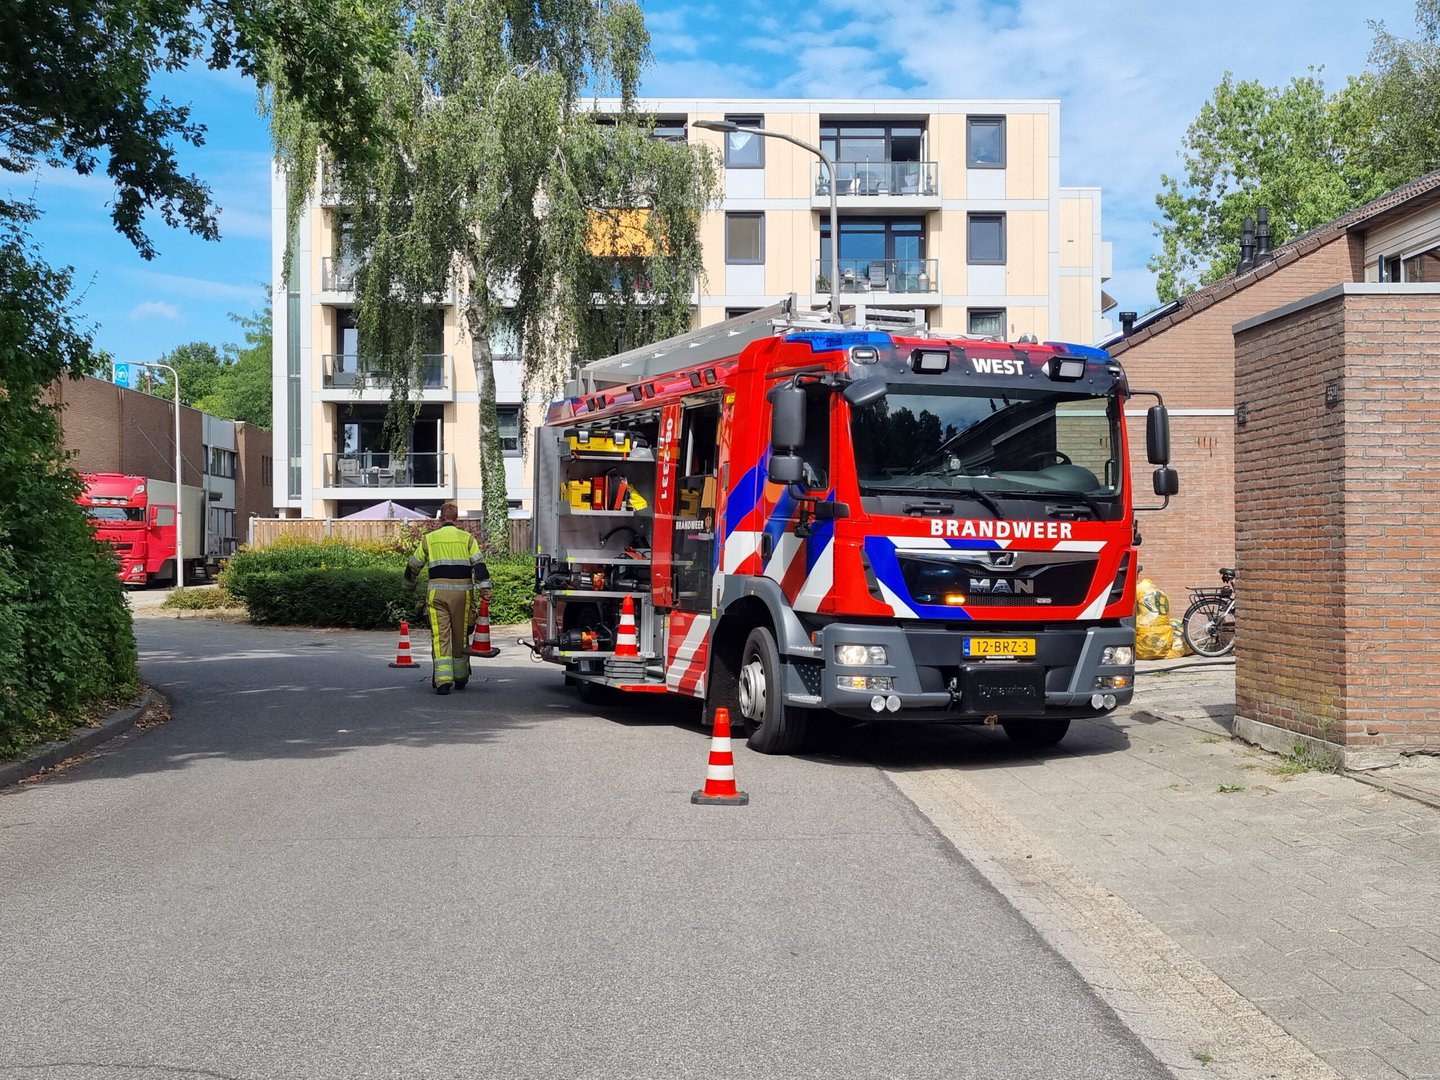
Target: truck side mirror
1167, 482
786, 468
787, 421
1157, 435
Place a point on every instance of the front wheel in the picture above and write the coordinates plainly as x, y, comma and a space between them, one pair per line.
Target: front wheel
773, 726
1207, 629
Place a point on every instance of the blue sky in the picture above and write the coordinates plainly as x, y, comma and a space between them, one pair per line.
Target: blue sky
1130, 77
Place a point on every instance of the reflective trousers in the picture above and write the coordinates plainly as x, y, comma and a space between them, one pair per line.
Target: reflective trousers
449, 634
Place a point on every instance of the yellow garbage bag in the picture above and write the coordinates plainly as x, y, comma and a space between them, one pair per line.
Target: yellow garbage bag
1178, 647
1154, 633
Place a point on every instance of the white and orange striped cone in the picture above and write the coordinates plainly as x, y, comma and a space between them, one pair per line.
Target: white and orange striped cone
402, 651
480, 637
627, 645
719, 789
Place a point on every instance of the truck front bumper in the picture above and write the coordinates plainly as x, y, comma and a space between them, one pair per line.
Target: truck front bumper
927, 674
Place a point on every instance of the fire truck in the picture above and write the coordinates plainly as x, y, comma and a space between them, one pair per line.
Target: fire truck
812, 519
136, 517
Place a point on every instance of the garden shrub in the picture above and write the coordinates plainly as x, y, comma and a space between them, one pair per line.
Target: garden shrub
199, 599
67, 648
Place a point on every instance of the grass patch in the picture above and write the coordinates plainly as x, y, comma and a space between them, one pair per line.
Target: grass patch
1210, 740
208, 598
1202, 1057
1303, 758
1229, 789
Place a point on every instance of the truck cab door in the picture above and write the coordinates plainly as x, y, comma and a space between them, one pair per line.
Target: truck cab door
693, 522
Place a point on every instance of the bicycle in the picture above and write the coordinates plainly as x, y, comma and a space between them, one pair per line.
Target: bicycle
1209, 623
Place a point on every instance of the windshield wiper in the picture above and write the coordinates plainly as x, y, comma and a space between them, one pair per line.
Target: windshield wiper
1032, 493
982, 497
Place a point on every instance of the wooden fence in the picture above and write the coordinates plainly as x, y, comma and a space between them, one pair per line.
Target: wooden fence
268, 530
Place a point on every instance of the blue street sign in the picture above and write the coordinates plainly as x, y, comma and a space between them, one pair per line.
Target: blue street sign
123, 375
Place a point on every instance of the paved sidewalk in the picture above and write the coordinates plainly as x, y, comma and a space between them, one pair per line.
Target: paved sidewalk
1315, 896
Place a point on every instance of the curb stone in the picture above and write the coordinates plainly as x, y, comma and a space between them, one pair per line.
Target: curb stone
81, 739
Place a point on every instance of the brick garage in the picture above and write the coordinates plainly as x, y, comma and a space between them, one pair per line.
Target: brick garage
1188, 355
1337, 472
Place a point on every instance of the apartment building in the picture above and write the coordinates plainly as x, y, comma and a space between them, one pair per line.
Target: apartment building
950, 215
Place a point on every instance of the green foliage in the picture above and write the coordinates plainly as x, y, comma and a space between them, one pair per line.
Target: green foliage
358, 585
204, 599
75, 87
1305, 154
362, 598
233, 384
492, 180
66, 644
1283, 148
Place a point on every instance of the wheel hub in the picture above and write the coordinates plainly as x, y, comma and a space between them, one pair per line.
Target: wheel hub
752, 691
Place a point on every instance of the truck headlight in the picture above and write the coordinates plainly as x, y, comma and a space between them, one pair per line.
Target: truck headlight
1119, 655
860, 655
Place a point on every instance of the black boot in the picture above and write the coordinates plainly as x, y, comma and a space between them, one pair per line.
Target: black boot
443, 689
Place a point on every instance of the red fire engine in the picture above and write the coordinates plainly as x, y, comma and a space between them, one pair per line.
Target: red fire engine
812, 518
136, 517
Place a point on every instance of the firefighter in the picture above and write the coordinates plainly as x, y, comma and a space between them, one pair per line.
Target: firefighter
458, 579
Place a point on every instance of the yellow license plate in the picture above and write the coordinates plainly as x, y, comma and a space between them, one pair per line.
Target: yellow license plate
1000, 646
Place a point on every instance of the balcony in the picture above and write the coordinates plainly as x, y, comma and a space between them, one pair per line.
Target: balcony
337, 282
350, 377
916, 280
878, 185
414, 476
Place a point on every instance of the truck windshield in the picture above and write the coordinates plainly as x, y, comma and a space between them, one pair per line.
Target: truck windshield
989, 444
116, 513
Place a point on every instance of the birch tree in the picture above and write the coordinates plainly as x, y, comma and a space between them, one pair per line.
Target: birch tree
571, 233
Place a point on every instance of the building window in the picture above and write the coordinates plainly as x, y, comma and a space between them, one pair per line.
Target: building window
876, 158
509, 417
877, 253
986, 322
987, 239
221, 463
504, 342
1389, 267
985, 142
267, 471
744, 150
1424, 266
669, 129
736, 312
744, 238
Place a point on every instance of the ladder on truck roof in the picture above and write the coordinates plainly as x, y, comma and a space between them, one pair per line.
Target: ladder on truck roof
713, 342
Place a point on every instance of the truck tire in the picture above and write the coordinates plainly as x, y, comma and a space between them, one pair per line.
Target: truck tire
772, 726
1035, 734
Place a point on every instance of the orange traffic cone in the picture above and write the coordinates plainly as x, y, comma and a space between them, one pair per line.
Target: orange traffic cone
402, 651
480, 637
719, 786
626, 643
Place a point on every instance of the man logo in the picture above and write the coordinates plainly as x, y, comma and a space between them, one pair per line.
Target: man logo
985, 586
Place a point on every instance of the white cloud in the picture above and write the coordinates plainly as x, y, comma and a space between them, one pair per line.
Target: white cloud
154, 309
202, 288
1130, 77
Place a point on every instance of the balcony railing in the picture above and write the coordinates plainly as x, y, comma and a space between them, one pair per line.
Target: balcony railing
377, 469
337, 274
346, 371
880, 178
894, 276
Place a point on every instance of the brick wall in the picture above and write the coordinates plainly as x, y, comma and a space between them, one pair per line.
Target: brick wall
254, 476
1192, 362
1340, 634
112, 429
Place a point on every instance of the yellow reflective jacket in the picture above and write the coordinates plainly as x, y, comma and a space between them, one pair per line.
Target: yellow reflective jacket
454, 560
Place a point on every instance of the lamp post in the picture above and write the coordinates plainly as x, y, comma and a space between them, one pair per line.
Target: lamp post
729, 126
179, 459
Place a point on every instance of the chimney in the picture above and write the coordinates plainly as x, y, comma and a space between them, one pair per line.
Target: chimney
1247, 247
1127, 323
1262, 237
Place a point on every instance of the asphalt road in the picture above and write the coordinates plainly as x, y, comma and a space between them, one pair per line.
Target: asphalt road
321, 869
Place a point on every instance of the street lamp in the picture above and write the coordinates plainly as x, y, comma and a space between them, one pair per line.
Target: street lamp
729, 126
179, 459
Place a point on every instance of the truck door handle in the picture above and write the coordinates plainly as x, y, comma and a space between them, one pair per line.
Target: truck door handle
767, 545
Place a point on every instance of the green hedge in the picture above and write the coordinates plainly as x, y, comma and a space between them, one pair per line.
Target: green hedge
67, 650
363, 587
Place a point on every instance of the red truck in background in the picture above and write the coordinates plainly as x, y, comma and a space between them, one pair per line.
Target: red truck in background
136, 517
